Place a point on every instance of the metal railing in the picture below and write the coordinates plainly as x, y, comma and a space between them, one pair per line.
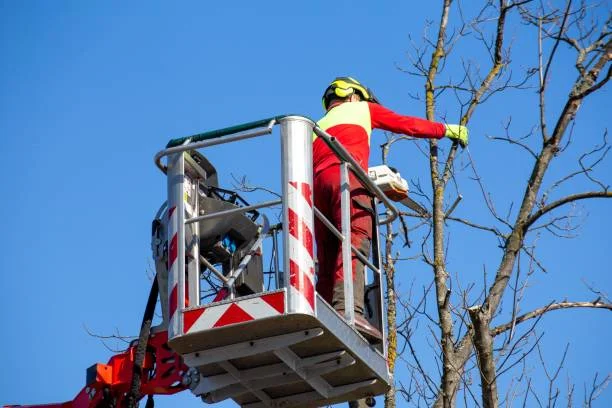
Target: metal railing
216, 137
345, 156
247, 131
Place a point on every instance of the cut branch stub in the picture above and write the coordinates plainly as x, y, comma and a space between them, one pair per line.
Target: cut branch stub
483, 344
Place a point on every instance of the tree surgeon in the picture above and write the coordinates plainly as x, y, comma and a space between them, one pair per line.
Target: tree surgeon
352, 112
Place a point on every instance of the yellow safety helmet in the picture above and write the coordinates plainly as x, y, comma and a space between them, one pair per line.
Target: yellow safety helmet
343, 87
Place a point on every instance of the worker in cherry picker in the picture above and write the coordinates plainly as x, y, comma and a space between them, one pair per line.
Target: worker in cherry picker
352, 112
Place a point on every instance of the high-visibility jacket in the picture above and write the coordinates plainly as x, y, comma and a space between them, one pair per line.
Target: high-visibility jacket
352, 123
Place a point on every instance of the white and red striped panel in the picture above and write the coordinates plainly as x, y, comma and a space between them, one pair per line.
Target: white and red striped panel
240, 311
179, 188
172, 271
300, 247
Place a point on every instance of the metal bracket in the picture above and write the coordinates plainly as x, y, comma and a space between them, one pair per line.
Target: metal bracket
292, 360
307, 397
234, 372
220, 387
249, 348
245, 261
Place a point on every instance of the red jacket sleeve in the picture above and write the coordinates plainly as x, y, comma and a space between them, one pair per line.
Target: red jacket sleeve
386, 119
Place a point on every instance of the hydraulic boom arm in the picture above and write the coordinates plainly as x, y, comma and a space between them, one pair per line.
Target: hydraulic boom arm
107, 385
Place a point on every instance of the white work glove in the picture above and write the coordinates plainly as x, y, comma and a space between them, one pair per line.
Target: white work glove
457, 133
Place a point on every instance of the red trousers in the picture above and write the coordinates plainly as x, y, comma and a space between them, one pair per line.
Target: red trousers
330, 276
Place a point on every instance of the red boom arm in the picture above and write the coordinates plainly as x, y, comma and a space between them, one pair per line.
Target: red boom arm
107, 384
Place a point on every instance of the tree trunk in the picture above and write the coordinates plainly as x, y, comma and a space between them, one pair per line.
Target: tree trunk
483, 343
391, 316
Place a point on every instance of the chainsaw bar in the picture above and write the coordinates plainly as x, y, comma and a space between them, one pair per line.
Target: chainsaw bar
413, 205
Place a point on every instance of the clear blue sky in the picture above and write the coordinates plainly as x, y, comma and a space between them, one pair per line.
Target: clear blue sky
89, 91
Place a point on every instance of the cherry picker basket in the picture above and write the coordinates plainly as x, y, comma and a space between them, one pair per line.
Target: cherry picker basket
280, 347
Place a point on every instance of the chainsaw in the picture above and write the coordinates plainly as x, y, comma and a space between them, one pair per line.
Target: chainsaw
395, 187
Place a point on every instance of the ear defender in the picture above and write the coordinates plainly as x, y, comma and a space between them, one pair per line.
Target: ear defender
343, 87
344, 92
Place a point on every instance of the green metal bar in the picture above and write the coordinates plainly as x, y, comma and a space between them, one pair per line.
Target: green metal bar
223, 132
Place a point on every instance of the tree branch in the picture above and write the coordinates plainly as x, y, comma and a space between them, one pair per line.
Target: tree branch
477, 226
574, 197
596, 86
597, 304
450, 378
498, 62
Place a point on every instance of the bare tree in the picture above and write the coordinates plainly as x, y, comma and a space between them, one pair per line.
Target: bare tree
472, 351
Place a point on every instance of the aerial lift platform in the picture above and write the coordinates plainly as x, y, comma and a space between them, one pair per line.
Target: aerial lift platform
227, 333
284, 347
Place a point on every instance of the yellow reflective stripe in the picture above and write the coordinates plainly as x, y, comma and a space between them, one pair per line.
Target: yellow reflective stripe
347, 113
